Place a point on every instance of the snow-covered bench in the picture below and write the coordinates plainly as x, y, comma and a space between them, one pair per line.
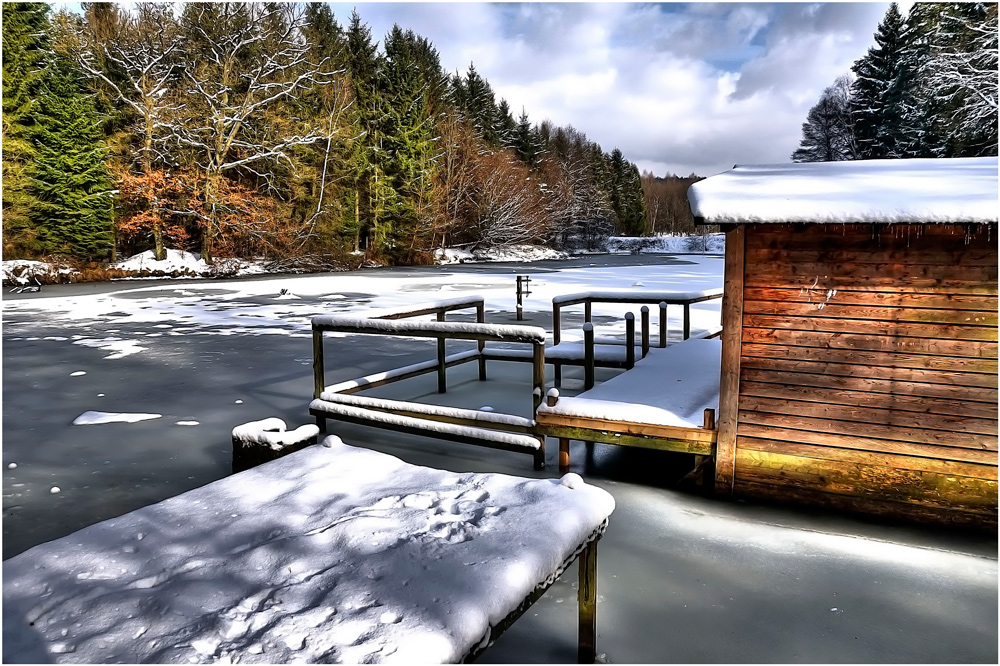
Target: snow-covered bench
331, 554
661, 403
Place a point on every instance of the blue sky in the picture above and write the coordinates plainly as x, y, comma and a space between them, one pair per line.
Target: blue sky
679, 87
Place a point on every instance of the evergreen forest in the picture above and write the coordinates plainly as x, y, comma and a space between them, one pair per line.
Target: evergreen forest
928, 88
271, 130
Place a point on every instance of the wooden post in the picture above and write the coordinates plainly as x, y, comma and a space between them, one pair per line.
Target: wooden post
588, 356
537, 375
587, 599
481, 319
629, 340
729, 380
687, 321
319, 374
563, 455
645, 330
556, 323
551, 399
588, 311
520, 309
663, 325
442, 370
709, 419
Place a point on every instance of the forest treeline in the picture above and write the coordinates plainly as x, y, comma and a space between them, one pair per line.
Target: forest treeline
928, 88
271, 130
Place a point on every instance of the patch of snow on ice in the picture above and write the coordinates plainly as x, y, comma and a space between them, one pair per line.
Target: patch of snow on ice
188, 423
120, 348
98, 418
78, 373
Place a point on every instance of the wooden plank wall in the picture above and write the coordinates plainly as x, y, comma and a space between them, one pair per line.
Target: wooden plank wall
868, 369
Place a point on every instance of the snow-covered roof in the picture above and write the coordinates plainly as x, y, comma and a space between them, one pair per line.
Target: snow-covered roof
921, 191
331, 554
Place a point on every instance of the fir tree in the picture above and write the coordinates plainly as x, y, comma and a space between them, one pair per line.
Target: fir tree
25, 51
526, 141
877, 92
70, 176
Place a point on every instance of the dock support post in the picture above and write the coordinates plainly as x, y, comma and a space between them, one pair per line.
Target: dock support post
587, 638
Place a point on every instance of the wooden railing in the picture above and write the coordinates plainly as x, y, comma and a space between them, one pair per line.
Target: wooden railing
661, 298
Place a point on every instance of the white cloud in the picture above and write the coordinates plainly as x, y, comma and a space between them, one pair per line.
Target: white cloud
677, 87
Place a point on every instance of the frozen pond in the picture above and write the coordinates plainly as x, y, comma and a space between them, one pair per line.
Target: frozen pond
683, 578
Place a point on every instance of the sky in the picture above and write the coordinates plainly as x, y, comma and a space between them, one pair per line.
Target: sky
680, 87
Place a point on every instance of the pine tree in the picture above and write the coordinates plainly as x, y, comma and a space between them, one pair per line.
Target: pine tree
506, 128
70, 176
828, 134
877, 91
526, 141
362, 68
408, 75
26, 49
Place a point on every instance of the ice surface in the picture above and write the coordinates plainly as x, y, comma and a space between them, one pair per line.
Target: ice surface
332, 554
926, 191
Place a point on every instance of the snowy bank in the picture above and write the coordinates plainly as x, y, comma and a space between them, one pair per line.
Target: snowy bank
331, 554
669, 244
517, 253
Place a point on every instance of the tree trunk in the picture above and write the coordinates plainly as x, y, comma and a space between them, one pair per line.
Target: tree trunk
210, 224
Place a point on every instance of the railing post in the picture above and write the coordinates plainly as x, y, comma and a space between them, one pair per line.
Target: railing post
588, 311
523, 289
663, 325
556, 322
629, 340
537, 375
645, 331
588, 356
687, 321
442, 370
481, 319
319, 373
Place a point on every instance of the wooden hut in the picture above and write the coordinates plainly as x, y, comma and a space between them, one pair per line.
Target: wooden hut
859, 359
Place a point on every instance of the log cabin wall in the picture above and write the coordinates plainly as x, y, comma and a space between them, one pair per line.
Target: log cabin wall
867, 373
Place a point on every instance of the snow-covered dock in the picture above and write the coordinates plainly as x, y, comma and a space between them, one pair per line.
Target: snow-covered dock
331, 554
667, 401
